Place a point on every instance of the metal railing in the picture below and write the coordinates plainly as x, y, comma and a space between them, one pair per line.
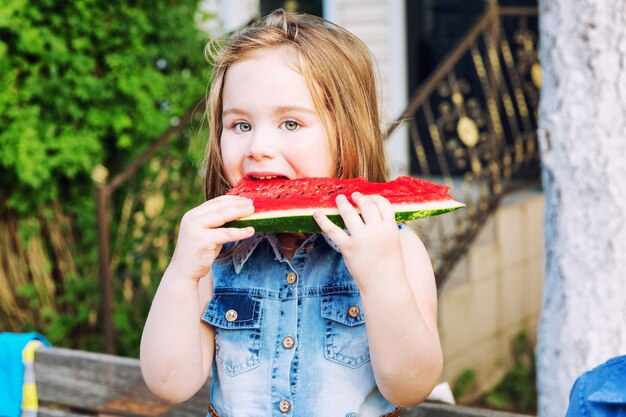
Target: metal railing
149, 211
472, 126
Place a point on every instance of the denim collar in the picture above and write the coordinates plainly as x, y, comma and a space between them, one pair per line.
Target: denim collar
243, 250
612, 390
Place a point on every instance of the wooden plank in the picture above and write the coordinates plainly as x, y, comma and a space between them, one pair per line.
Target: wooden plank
104, 384
434, 409
46, 412
90, 384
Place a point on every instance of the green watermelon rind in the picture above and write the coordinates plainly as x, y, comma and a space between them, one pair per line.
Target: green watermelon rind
305, 223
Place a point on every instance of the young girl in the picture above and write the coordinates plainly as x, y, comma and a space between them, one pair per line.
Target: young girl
340, 323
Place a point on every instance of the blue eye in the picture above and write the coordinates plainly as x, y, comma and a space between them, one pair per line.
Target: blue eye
291, 125
242, 127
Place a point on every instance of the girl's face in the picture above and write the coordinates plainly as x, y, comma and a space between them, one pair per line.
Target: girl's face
270, 125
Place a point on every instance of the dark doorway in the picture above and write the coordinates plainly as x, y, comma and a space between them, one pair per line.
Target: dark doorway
305, 6
434, 27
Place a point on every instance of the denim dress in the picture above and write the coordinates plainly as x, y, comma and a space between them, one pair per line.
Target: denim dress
290, 337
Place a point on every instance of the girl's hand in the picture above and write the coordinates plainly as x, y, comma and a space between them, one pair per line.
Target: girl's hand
394, 274
374, 239
201, 236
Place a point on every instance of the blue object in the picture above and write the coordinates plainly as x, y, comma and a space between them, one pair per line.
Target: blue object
12, 370
600, 392
290, 331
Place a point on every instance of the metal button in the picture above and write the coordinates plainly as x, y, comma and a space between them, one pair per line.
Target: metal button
309, 247
354, 311
231, 315
291, 277
284, 406
288, 342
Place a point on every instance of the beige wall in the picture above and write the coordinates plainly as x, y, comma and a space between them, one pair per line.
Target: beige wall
494, 292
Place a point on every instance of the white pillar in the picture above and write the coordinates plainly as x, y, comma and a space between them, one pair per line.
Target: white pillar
398, 143
582, 131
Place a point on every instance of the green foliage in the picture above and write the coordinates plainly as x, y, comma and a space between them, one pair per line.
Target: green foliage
517, 391
464, 383
145, 232
85, 83
89, 82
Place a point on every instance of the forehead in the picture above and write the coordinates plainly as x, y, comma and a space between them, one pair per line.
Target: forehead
284, 55
266, 75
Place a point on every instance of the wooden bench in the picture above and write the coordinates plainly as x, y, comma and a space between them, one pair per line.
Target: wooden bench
73, 383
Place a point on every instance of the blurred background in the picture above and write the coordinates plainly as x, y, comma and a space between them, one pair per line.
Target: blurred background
102, 134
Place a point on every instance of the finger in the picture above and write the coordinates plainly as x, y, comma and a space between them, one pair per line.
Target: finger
221, 215
385, 208
369, 210
230, 234
219, 202
212, 216
348, 213
228, 197
330, 229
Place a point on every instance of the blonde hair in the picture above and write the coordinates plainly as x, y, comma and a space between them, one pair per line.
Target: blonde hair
339, 72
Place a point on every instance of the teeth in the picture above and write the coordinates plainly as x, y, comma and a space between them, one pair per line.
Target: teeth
266, 178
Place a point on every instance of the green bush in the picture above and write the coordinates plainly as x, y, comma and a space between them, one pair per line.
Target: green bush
89, 82
86, 83
464, 383
516, 391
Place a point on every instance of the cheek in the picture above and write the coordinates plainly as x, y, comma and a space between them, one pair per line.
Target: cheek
231, 159
229, 150
319, 157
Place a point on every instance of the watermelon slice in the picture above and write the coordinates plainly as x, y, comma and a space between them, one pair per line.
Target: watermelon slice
287, 205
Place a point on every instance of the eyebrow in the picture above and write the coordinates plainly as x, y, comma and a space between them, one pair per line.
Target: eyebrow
280, 109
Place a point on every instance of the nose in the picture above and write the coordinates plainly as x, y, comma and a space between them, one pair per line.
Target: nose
262, 145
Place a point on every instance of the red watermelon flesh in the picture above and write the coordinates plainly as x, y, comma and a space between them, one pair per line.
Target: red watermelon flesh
283, 205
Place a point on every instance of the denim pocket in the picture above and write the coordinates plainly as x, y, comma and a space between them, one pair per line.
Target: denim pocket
345, 336
237, 322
